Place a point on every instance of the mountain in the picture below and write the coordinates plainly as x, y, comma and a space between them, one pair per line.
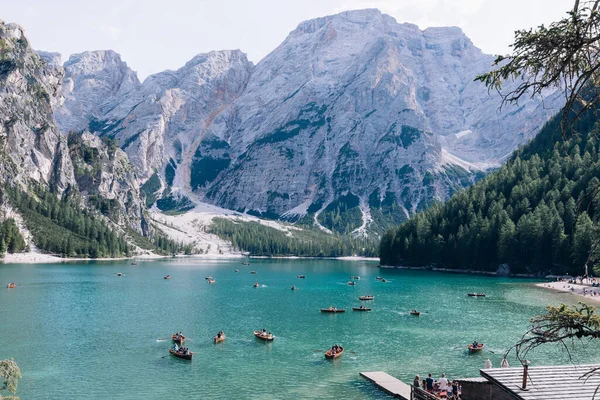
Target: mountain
536, 213
73, 195
353, 123
31, 146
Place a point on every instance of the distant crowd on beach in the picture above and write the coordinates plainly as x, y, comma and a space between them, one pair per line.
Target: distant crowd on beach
590, 282
443, 387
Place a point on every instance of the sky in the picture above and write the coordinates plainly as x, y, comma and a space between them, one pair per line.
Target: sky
155, 35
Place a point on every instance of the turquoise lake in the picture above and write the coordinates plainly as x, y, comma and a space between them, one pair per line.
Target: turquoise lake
78, 331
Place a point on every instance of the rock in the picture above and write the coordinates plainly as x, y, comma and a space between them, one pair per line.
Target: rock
503, 270
31, 147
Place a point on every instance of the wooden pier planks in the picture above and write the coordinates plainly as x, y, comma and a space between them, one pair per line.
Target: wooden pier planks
389, 384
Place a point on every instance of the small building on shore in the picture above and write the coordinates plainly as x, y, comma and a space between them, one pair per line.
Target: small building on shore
574, 382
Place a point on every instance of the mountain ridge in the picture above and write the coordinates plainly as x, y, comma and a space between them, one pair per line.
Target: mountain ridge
361, 114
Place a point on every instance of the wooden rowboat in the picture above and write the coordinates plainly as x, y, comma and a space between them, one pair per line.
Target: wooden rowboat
237, 270
368, 297
180, 354
256, 284
355, 277
415, 313
178, 339
352, 283
473, 349
294, 288
253, 272
264, 336
211, 281
379, 278
330, 356
219, 339
119, 274
476, 294
383, 280
12, 285
301, 276
167, 277
361, 309
332, 310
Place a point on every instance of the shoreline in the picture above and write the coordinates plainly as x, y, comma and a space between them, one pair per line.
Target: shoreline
42, 258
461, 271
565, 288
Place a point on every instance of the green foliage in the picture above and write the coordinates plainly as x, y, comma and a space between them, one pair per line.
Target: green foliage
562, 324
61, 227
343, 215
150, 189
170, 172
563, 55
174, 204
311, 116
205, 169
536, 213
408, 135
9, 376
11, 240
261, 240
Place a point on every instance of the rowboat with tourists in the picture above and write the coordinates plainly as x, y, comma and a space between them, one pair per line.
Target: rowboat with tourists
476, 294
178, 338
12, 285
415, 313
181, 352
334, 352
332, 310
264, 335
219, 337
367, 297
475, 347
361, 308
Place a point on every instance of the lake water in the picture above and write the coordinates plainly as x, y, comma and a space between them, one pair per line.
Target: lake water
78, 331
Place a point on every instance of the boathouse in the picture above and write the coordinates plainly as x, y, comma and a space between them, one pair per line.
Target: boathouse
561, 382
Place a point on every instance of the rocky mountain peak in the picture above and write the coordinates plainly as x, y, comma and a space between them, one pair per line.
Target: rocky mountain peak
31, 147
93, 80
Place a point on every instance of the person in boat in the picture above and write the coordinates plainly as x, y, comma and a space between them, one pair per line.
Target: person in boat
417, 381
176, 348
475, 344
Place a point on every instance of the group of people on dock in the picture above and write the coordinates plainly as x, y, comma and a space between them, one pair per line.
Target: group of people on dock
443, 388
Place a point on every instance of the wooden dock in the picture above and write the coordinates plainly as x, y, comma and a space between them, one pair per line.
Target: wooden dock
388, 384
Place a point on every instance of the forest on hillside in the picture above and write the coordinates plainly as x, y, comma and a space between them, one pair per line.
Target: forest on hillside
536, 213
261, 240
